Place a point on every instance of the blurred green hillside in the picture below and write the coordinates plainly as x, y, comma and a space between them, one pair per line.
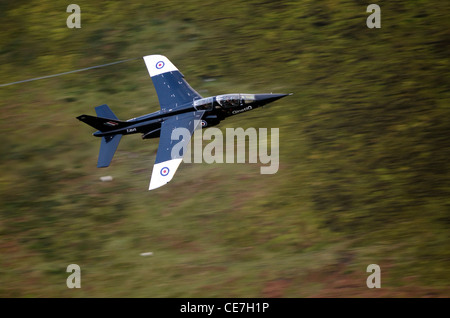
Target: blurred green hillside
364, 147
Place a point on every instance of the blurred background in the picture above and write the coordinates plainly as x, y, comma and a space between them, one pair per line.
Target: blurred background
364, 148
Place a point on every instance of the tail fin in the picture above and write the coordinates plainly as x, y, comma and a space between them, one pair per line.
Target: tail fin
108, 147
106, 121
103, 124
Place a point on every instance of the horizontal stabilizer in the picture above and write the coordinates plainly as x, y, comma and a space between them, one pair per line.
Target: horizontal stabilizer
108, 147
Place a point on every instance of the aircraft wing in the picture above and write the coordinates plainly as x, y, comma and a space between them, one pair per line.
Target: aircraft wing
171, 87
170, 152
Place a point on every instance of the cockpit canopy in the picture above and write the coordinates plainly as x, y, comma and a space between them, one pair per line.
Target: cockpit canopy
204, 103
230, 100
234, 100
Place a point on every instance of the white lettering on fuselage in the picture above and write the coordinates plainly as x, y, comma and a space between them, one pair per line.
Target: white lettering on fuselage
234, 112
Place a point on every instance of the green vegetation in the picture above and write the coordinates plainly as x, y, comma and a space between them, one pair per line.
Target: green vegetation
364, 148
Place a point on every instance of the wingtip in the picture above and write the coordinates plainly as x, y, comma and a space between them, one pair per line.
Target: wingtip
153, 187
158, 64
163, 173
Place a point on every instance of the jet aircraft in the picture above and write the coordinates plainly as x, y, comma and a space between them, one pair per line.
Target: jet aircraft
181, 107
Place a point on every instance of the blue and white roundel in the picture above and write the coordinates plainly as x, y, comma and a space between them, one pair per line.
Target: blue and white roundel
160, 65
164, 171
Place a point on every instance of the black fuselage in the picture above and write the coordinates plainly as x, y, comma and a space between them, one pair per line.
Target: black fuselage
216, 109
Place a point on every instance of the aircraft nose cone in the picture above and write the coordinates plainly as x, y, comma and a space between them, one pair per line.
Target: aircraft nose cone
268, 98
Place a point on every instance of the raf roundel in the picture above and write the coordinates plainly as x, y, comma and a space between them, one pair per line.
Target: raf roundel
160, 65
164, 171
